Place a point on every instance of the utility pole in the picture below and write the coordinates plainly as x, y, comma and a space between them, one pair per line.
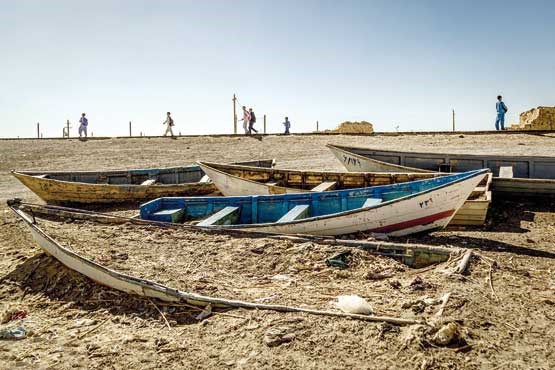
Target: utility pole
264, 123
38, 130
234, 115
130, 129
453, 120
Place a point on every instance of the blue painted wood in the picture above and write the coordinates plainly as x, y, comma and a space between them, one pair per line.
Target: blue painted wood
270, 208
169, 215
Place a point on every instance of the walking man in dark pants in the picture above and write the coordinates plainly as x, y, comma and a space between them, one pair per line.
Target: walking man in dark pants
252, 122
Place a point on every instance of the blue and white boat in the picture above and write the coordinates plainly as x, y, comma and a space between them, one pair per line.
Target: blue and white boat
397, 209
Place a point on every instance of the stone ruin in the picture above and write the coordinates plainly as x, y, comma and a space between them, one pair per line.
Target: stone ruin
540, 118
349, 127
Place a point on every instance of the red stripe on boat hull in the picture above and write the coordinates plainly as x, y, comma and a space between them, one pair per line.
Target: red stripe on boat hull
412, 223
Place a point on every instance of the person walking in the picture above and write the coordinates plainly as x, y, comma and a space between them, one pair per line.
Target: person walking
501, 109
83, 123
169, 123
252, 122
287, 125
246, 120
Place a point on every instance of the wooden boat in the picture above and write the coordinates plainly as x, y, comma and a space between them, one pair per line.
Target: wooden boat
236, 180
120, 186
512, 175
397, 209
146, 288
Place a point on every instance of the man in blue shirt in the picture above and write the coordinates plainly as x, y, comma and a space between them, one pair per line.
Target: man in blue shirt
501, 109
84, 122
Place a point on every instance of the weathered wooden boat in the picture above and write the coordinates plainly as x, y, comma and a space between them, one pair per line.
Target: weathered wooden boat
120, 186
236, 180
528, 176
397, 209
146, 288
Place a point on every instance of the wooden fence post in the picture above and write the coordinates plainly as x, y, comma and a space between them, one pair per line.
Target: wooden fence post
234, 115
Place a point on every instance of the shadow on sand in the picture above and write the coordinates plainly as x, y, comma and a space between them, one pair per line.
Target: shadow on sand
42, 274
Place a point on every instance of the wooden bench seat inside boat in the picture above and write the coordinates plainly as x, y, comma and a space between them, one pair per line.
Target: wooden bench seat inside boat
296, 213
506, 172
325, 186
169, 215
370, 202
149, 182
205, 178
225, 216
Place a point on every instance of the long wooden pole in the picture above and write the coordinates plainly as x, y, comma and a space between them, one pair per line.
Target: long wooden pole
67, 129
234, 115
38, 130
130, 129
453, 120
317, 128
264, 123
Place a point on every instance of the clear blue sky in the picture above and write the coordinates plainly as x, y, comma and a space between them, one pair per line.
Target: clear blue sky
405, 63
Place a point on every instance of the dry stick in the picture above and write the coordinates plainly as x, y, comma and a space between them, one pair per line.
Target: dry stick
463, 265
491, 282
160, 312
444, 300
201, 309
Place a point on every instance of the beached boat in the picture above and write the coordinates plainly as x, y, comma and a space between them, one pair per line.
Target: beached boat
237, 180
147, 288
512, 175
397, 209
121, 186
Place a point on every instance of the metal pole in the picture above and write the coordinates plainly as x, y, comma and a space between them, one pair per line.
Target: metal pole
264, 123
38, 130
453, 120
234, 115
130, 129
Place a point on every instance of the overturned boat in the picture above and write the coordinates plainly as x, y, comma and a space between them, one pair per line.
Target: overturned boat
528, 176
397, 209
120, 186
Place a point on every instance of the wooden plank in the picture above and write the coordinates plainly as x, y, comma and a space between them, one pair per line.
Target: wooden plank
205, 179
370, 202
149, 182
41, 176
226, 216
296, 213
506, 172
168, 215
325, 186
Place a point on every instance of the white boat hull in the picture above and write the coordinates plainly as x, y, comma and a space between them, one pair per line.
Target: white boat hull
420, 212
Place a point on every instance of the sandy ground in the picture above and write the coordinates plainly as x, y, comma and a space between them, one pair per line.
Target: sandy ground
75, 323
